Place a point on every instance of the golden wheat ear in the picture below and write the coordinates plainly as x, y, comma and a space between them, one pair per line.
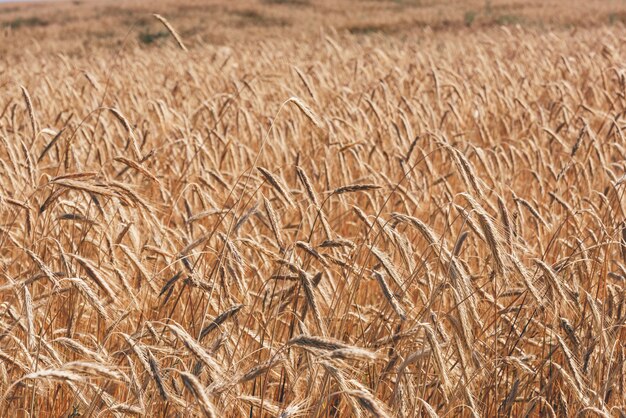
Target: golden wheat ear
171, 30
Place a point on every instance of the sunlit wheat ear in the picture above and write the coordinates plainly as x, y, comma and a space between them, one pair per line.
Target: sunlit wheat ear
129, 131
308, 187
135, 387
470, 173
197, 350
198, 391
506, 221
343, 384
31, 111
46, 270
532, 210
439, 359
308, 248
138, 167
306, 83
521, 270
91, 271
54, 375
597, 319
553, 280
277, 185
274, 222
490, 232
430, 411
79, 348
307, 111
88, 293
388, 266
571, 384
370, 404
94, 369
139, 351
312, 302
171, 30
564, 204
353, 353
391, 298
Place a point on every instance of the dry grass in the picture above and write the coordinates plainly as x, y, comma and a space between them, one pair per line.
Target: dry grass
323, 221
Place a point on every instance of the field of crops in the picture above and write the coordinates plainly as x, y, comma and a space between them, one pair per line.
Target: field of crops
292, 208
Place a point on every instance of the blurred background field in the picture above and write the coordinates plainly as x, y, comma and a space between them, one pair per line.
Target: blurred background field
84, 24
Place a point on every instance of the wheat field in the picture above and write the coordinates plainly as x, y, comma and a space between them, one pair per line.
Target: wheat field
299, 209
